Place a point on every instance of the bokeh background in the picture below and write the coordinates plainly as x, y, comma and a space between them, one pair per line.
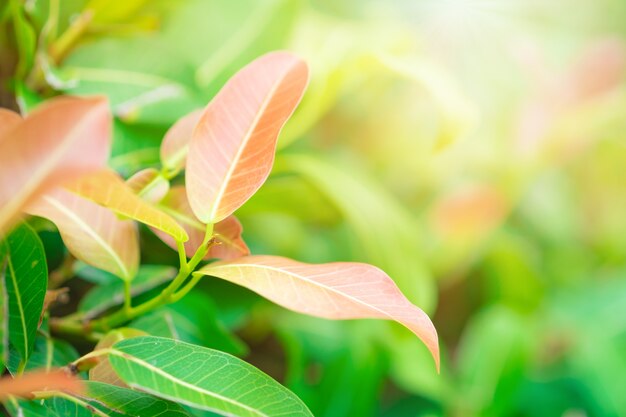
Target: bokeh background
473, 149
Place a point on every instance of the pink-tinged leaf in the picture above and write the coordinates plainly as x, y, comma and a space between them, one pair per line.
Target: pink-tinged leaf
149, 184
8, 119
339, 290
109, 190
26, 384
91, 233
59, 141
232, 147
228, 245
175, 144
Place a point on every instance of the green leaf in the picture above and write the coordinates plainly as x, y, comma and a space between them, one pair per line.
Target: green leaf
22, 408
26, 281
101, 298
4, 313
26, 41
127, 402
47, 353
385, 233
201, 378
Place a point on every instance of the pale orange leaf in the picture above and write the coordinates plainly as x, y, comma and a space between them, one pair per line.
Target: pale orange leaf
59, 141
92, 233
106, 188
232, 147
341, 290
8, 119
149, 184
24, 385
229, 243
175, 144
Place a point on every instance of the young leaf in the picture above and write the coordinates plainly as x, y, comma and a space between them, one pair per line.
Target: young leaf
26, 277
228, 232
91, 233
232, 147
38, 381
8, 119
340, 290
60, 140
201, 378
175, 144
109, 190
149, 184
103, 372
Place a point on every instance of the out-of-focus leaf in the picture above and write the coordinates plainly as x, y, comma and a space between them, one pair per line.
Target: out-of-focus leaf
103, 372
149, 184
193, 319
59, 141
108, 190
93, 275
26, 277
103, 297
92, 233
177, 371
25, 384
385, 233
4, 313
26, 41
231, 154
48, 353
175, 145
229, 243
8, 119
335, 291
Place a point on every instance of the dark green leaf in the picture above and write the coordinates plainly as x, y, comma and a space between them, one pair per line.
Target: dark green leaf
46, 354
201, 378
26, 281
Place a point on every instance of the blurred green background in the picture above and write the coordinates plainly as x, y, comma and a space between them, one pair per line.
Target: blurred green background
473, 149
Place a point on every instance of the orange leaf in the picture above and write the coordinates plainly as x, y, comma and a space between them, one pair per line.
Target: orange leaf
91, 233
232, 147
175, 144
340, 290
8, 119
228, 232
109, 190
24, 385
149, 184
60, 140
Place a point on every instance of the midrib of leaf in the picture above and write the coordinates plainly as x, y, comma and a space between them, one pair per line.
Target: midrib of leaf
231, 169
185, 384
19, 306
49, 163
69, 213
302, 278
183, 218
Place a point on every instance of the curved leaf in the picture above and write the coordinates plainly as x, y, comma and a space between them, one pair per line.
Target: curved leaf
232, 148
8, 119
229, 243
103, 372
26, 277
201, 378
340, 290
109, 190
92, 233
59, 141
149, 184
175, 144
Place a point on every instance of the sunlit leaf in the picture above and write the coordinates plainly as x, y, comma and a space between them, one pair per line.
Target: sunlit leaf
175, 144
229, 243
340, 290
232, 148
26, 278
103, 372
149, 184
92, 233
201, 378
59, 141
109, 190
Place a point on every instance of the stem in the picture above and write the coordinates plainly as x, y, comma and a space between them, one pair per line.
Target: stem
128, 298
66, 41
167, 296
